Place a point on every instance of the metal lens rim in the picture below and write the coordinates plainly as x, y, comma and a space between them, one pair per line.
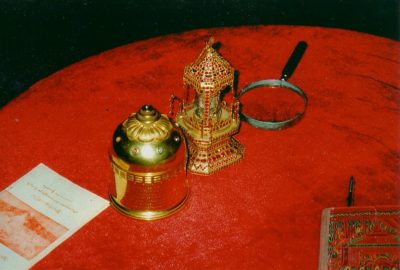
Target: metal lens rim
274, 125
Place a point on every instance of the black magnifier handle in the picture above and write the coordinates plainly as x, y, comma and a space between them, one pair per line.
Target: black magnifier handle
294, 60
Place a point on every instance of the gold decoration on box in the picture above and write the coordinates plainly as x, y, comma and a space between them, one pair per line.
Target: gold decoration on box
148, 158
208, 121
147, 126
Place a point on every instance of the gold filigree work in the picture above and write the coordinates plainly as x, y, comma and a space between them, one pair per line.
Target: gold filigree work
210, 72
147, 128
209, 122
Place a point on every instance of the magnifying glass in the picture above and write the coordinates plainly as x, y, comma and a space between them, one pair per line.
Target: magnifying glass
275, 104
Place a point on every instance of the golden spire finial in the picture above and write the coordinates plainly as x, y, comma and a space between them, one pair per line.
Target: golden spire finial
210, 41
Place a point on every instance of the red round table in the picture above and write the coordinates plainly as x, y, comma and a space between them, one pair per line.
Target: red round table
262, 213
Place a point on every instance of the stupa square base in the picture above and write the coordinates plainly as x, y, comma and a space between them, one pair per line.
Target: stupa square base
208, 158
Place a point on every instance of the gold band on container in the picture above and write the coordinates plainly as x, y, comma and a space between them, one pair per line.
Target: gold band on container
147, 215
122, 179
147, 178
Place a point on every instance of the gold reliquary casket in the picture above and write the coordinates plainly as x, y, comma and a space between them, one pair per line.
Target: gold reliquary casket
148, 158
208, 121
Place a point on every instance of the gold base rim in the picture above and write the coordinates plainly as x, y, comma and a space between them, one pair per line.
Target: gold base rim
210, 172
147, 215
214, 166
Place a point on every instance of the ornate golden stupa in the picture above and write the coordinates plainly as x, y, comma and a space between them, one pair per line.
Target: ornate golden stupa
208, 121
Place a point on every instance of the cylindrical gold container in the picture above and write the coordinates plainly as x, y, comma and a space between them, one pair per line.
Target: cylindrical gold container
148, 158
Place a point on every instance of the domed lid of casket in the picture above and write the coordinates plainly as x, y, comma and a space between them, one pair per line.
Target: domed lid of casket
146, 138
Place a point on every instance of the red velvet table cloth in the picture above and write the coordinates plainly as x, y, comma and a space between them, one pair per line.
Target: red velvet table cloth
262, 213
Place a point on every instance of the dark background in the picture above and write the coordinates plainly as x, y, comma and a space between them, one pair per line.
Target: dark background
38, 38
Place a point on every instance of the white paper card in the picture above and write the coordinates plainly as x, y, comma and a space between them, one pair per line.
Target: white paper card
38, 212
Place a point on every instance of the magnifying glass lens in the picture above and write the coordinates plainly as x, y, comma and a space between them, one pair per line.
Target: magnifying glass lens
272, 103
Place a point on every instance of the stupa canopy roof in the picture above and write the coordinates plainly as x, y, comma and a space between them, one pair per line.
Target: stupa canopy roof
210, 72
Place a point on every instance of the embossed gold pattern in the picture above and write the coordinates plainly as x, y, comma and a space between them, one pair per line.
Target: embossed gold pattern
145, 178
147, 126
